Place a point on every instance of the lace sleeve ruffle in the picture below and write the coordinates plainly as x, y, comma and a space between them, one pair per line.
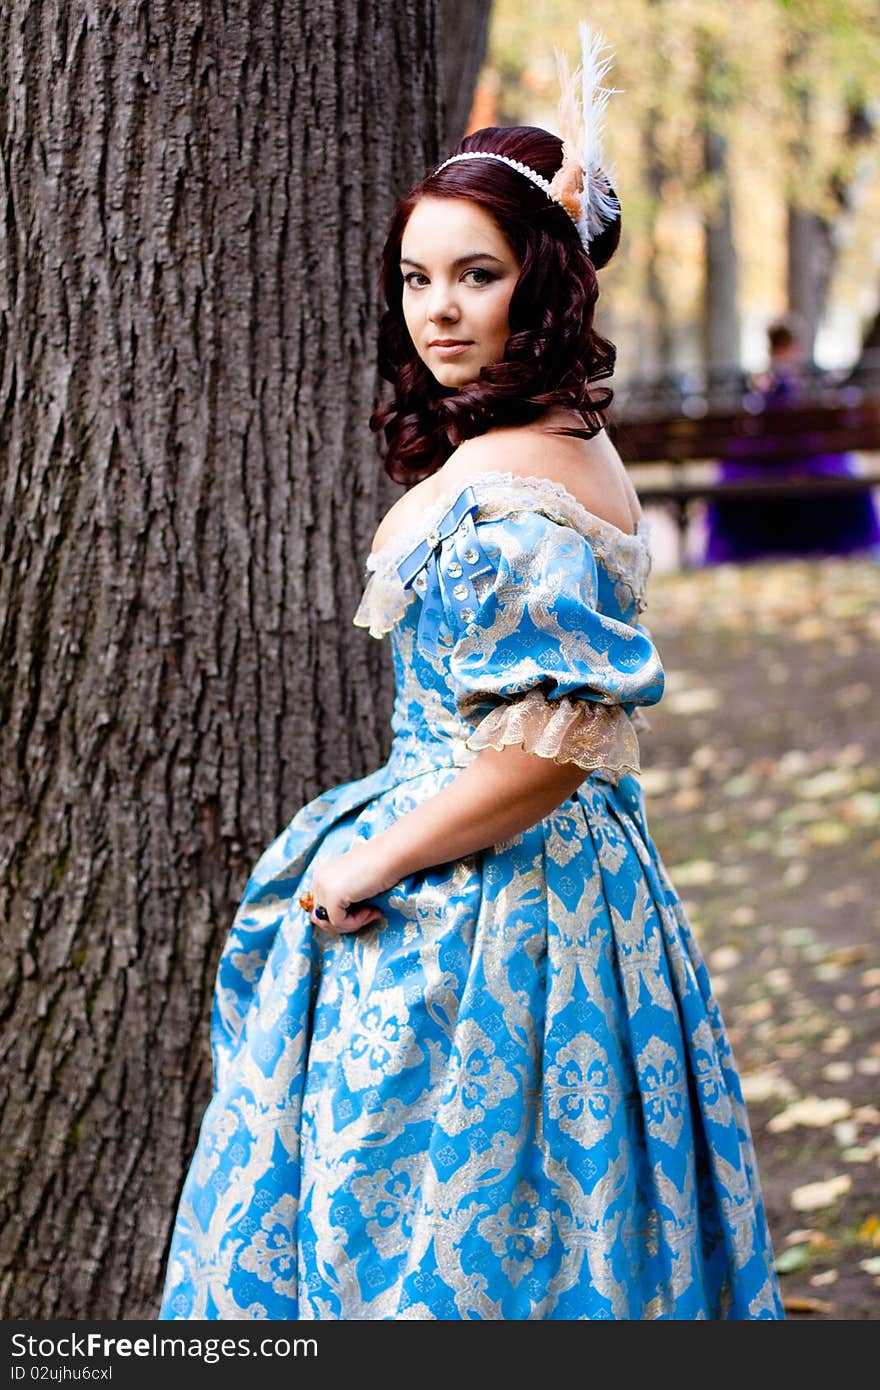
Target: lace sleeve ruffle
598, 737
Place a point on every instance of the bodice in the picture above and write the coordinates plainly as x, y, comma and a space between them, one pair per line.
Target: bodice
468, 528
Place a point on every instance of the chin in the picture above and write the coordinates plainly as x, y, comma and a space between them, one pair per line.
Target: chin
455, 377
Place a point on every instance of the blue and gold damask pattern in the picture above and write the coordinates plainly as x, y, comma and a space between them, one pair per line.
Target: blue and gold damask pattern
513, 1097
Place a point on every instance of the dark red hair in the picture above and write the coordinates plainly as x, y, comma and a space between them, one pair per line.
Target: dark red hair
553, 355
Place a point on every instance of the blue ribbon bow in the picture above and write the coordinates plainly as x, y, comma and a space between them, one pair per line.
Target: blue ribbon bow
448, 559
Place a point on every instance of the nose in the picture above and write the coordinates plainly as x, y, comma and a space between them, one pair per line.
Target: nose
442, 306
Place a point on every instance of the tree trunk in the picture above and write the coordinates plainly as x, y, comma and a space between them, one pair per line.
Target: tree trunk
194, 197
463, 33
658, 299
866, 372
721, 327
810, 263
813, 247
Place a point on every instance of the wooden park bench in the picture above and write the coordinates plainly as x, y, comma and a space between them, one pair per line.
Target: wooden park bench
673, 444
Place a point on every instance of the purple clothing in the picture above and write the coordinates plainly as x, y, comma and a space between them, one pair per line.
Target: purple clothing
741, 529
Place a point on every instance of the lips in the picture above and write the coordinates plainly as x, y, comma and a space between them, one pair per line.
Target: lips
449, 350
450, 342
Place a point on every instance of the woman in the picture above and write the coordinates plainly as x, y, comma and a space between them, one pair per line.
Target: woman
468, 1064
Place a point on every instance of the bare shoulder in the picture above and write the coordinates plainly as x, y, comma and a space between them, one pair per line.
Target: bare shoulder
590, 469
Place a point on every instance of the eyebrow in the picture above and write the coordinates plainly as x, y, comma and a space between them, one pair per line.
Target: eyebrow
460, 260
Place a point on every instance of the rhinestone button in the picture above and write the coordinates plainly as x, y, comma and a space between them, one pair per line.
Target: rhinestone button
454, 568
460, 591
467, 615
471, 555
420, 581
433, 539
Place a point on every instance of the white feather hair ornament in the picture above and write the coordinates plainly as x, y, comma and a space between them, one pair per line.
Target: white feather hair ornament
581, 184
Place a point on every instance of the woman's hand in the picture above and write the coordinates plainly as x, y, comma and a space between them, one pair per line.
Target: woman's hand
351, 879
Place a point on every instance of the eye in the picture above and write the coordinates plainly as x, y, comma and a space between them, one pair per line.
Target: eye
479, 270
413, 274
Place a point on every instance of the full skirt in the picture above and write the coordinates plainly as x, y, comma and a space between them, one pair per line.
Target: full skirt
512, 1098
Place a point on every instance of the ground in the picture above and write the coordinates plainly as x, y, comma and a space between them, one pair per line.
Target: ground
762, 785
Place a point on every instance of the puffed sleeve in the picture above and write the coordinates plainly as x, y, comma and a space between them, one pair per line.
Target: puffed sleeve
534, 662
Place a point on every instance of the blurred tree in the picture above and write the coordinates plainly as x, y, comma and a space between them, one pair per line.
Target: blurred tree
820, 172
463, 29
721, 328
194, 198
749, 119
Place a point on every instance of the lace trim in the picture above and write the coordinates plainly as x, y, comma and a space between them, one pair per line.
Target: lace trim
627, 558
599, 738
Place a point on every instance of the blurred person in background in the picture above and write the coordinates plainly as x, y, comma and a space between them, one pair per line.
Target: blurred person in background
752, 529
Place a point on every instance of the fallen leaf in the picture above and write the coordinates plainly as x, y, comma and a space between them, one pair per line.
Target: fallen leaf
826, 1276
699, 700
867, 1115
792, 1259
832, 782
828, 970
849, 955
724, 958
871, 1266
869, 1231
814, 1196
837, 1071
695, 872
759, 1086
812, 1111
779, 980
744, 916
656, 781
819, 1240
845, 1132
828, 832
757, 1012
802, 1304
839, 1038
798, 1237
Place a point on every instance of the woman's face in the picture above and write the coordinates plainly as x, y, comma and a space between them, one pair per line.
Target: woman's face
458, 276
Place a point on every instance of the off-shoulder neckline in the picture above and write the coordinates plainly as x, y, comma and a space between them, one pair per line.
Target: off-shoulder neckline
399, 544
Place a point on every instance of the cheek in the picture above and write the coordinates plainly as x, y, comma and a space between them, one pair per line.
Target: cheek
407, 313
497, 317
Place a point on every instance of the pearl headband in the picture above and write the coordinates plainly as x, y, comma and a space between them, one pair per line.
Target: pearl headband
531, 174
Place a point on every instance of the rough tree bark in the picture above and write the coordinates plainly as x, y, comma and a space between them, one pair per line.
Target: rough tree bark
193, 198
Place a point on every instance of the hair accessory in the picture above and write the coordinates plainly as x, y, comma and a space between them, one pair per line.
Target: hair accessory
580, 185
505, 159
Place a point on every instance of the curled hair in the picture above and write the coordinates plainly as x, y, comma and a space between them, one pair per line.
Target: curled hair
553, 356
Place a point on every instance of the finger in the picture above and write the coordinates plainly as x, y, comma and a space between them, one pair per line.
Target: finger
351, 921
362, 916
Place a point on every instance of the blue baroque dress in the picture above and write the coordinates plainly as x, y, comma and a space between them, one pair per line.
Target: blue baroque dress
513, 1096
